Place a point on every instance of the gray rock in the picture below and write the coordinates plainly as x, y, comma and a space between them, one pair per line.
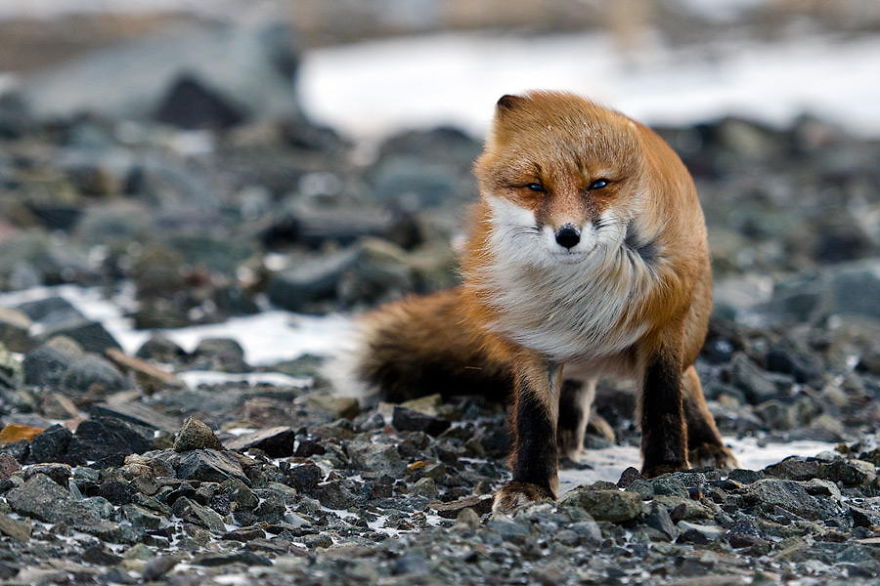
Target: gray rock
195, 435
658, 518
51, 310
137, 413
92, 373
605, 505
223, 354
192, 512
252, 67
210, 466
18, 530
41, 498
11, 370
376, 459
46, 365
753, 381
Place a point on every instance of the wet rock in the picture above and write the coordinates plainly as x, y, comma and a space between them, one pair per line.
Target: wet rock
277, 442
405, 419
14, 330
195, 435
109, 438
605, 505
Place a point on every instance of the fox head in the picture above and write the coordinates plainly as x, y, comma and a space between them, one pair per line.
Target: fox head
563, 177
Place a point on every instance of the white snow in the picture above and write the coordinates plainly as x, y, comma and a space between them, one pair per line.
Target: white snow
268, 337
609, 463
369, 89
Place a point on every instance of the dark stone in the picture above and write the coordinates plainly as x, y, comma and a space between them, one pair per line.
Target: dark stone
304, 477
100, 557
107, 437
192, 512
161, 349
335, 495
51, 310
658, 518
91, 335
405, 419
191, 105
52, 446
276, 442
628, 476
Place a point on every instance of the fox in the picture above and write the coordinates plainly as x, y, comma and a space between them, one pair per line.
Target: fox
586, 257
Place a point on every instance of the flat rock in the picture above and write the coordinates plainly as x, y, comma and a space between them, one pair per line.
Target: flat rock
137, 413
277, 442
405, 419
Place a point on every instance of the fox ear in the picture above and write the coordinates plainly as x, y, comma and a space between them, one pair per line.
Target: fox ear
508, 102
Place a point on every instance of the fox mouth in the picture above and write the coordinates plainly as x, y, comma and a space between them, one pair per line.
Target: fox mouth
572, 257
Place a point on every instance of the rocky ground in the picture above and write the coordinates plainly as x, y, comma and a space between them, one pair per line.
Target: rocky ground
114, 470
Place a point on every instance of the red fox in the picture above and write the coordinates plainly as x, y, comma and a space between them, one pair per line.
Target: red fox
587, 254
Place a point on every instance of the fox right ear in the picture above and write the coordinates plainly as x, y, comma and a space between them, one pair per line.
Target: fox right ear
508, 102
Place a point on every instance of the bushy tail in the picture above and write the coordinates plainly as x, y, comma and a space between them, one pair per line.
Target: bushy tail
424, 345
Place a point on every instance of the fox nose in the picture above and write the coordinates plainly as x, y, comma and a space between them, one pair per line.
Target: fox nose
568, 236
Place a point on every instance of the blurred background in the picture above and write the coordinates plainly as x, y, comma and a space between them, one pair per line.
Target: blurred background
173, 165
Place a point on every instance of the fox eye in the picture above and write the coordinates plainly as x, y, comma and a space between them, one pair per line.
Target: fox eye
598, 184
536, 187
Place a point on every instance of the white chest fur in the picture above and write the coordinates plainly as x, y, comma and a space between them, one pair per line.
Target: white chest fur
565, 311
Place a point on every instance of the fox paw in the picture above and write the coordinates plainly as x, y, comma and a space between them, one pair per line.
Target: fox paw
716, 456
516, 494
654, 470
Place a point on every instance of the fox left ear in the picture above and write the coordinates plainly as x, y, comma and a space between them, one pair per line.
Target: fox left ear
508, 102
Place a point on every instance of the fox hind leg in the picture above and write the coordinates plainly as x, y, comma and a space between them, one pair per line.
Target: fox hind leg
575, 402
705, 446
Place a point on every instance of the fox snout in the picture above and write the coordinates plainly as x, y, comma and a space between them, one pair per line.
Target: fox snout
568, 236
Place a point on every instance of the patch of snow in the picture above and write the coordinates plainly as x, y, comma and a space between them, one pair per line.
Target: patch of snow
196, 378
609, 463
268, 337
457, 78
